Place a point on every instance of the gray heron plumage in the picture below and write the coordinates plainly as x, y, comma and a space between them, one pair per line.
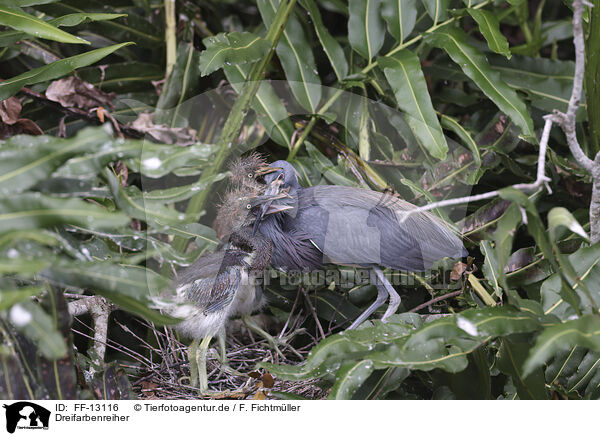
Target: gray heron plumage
343, 225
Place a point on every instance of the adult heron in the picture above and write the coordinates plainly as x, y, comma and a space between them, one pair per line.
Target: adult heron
343, 225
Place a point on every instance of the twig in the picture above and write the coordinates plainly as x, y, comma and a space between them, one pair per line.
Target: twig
435, 300
100, 310
541, 180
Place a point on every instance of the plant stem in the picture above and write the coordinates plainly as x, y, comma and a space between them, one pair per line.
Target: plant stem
226, 144
170, 36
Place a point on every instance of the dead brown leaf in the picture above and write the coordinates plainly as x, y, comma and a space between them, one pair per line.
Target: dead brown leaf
11, 122
457, 271
75, 92
163, 133
267, 380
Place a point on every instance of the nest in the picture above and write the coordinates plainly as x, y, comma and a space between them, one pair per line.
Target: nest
165, 376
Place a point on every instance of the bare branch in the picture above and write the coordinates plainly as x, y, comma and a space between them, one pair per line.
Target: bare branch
100, 310
541, 180
567, 121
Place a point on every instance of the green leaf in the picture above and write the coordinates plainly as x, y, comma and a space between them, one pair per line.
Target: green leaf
510, 361
27, 160
131, 201
366, 28
561, 217
273, 115
12, 36
436, 9
400, 16
55, 70
19, 20
474, 65
37, 325
8, 297
403, 72
296, 56
586, 262
32, 210
231, 49
333, 50
584, 332
464, 135
349, 378
172, 108
489, 26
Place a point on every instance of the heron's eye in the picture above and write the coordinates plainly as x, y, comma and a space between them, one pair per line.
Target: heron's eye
248, 206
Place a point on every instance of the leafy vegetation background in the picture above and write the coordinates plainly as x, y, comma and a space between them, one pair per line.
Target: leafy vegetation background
85, 210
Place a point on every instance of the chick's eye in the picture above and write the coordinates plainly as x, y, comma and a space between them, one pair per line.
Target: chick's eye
250, 175
248, 206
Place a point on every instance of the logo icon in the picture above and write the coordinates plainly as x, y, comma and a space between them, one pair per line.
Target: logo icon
26, 415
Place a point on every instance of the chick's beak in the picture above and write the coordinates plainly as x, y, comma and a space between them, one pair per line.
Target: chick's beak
272, 192
265, 170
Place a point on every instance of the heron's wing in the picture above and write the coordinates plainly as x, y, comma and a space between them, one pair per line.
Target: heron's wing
210, 283
362, 227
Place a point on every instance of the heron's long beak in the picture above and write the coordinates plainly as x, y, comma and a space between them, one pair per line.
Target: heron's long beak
272, 192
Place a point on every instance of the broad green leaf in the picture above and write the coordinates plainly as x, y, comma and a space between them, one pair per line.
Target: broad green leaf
474, 65
349, 378
330, 352
436, 9
403, 72
296, 56
32, 210
158, 160
25, 3
37, 325
584, 332
12, 36
180, 193
122, 76
561, 217
231, 49
400, 16
330, 45
489, 26
464, 135
366, 28
586, 262
55, 70
272, 113
8, 297
130, 287
131, 201
172, 108
24, 22
27, 160
510, 361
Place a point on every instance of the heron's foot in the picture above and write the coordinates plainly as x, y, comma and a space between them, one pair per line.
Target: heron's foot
393, 305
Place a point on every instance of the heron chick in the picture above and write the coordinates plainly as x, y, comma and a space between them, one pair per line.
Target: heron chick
220, 284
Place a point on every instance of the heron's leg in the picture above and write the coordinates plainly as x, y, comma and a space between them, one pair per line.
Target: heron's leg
252, 325
192, 350
394, 297
201, 362
222, 349
382, 295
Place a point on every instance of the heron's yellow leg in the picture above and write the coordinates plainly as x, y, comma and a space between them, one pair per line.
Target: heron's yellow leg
192, 349
201, 362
